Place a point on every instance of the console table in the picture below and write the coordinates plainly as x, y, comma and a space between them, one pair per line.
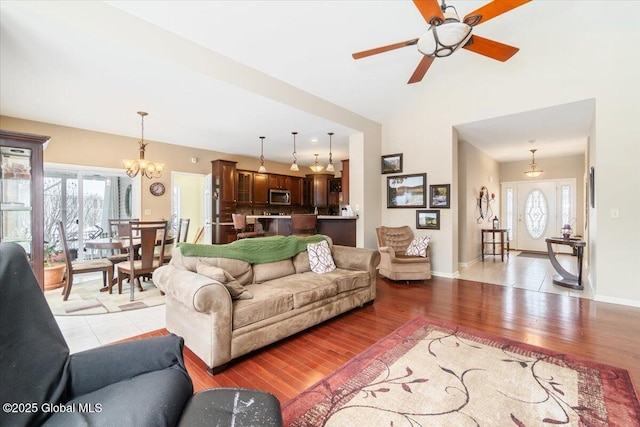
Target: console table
565, 278
503, 233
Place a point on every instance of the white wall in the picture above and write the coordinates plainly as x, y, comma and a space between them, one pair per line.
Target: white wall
604, 66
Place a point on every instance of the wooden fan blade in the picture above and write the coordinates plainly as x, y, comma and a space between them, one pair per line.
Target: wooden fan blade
382, 49
491, 48
421, 69
429, 9
493, 9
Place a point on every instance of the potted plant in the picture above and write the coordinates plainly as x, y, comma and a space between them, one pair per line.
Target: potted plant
54, 268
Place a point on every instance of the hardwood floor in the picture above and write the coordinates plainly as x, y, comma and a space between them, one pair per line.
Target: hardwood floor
602, 332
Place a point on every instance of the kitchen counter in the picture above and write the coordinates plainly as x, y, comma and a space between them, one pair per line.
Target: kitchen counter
341, 229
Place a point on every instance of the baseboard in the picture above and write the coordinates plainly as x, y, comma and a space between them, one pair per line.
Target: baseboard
470, 263
620, 301
447, 275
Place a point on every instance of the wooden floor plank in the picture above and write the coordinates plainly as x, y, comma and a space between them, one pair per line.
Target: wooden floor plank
602, 332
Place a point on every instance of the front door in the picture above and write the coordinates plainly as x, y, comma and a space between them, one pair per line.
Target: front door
536, 214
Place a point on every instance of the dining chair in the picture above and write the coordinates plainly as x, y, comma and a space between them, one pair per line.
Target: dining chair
92, 266
303, 224
143, 239
240, 226
183, 230
119, 227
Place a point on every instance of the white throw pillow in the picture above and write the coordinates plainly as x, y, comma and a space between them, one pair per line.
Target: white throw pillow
418, 246
320, 259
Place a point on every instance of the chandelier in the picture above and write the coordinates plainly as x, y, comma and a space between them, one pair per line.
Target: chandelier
316, 167
533, 171
294, 165
330, 167
148, 169
262, 169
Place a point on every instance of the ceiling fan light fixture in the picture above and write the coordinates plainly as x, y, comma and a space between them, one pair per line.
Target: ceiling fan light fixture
294, 166
262, 168
316, 167
442, 40
533, 171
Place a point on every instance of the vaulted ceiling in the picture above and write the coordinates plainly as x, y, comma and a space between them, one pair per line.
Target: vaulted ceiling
93, 65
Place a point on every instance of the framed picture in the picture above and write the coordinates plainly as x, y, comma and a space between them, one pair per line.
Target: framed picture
407, 191
428, 219
392, 163
440, 196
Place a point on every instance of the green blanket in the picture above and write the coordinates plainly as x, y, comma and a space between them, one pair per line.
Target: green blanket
255, 251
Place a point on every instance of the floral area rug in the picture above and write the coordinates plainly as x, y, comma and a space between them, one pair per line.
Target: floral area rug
86, 299
429, 373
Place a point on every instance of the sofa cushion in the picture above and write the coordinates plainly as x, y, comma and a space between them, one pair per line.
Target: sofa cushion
348, 280
240, 270
320, 258
301, 262
306, 288
267, 301
272, 270
236, 290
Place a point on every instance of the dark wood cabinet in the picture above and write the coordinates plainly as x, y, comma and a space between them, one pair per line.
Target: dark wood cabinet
296, 185
335, 189
345, 182
317, 189
224, 198
278, 181
245, 187
22, 195
260, 189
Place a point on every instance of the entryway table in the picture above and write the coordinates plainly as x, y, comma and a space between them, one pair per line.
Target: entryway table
565, 278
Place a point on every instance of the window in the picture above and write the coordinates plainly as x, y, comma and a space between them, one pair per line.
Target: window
536, 214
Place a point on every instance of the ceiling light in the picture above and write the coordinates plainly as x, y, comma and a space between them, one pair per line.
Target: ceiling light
442, 39
533, 172
262, 169
294, 165
330, 167
316, 167
148, 169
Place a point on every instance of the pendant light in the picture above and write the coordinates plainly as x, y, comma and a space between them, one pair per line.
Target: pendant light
533, 171
262, 169
147, 168
330, 167
316, 167
294, 165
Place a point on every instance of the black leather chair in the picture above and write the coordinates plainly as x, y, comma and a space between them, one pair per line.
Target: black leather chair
137, 383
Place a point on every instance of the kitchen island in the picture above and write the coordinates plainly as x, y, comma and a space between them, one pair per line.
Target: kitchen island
341, 229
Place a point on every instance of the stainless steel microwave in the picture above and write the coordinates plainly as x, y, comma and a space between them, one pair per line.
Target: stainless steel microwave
279, 197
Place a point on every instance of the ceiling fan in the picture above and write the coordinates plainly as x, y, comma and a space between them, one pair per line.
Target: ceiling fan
447, 33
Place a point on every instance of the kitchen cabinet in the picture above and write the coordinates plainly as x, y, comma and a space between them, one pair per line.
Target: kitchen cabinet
224, 199
296, 186
317, 190
278, 181
345, 182
245, 187
22, 195
260, 188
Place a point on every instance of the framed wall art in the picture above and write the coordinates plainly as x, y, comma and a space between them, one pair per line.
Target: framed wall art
429, 219
440, 196
392, 163
407, 191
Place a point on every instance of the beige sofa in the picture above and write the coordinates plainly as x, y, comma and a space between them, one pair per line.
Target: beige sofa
287, 297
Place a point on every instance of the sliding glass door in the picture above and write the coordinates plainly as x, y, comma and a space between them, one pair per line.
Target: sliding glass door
84, 201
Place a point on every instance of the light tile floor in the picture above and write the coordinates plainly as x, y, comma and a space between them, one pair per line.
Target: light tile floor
535, 274
86, 332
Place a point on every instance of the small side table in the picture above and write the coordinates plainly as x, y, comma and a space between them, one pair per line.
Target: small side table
565, 278
503, 233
